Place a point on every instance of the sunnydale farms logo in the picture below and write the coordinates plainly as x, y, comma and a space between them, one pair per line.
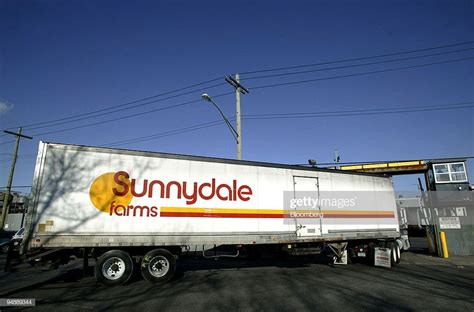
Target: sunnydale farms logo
113, 192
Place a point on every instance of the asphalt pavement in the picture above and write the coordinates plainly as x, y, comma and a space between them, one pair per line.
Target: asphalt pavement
419, 283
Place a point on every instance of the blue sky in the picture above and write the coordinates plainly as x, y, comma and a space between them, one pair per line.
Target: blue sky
61, 58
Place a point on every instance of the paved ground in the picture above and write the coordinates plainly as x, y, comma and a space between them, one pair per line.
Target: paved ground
420, 282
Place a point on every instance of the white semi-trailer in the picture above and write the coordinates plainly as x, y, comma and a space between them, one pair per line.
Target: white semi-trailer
130, 208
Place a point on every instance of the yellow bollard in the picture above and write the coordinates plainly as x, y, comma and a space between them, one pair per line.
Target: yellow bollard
444, 244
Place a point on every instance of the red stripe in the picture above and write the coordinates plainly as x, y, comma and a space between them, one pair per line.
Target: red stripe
356, 216
220, 215
261, 215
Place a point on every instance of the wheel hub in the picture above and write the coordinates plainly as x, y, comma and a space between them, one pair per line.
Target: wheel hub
113, 268
158, 266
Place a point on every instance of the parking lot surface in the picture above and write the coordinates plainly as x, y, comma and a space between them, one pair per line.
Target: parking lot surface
420, 282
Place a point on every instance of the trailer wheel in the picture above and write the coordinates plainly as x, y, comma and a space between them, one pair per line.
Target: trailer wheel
115, 267
397, 252
158, 266
394, 260
370, 257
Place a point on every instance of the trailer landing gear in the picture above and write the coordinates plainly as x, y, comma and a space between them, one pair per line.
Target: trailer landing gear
339, 252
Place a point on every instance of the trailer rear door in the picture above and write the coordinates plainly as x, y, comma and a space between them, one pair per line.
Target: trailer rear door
306, 190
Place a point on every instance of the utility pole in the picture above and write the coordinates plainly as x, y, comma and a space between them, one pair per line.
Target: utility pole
237, 118
235, 82
6, 197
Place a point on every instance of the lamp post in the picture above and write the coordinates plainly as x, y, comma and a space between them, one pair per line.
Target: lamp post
234, 133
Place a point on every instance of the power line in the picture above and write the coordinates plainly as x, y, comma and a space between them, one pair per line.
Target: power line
400, 109
216, 79
19, 156
376, 111
128, 116
118, 118
358, 114
94, 114
356, 59
7, 142
276, 116
257, 87
355, 65
16, 186
131, 102
112, 120
126, 108
359, 74
167, 133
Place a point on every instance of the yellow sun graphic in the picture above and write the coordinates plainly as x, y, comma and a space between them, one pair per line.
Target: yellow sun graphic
102, 195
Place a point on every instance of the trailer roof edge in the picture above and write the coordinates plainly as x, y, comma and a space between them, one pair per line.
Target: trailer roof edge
207, 159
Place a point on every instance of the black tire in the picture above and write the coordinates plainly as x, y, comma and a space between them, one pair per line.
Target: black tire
398, 252
393, 253
253, 252
158, 266
370, 258
115, 267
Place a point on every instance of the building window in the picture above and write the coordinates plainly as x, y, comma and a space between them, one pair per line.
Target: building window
446, 173
458, 172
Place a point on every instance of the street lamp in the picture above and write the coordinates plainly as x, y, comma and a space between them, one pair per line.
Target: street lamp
234, 133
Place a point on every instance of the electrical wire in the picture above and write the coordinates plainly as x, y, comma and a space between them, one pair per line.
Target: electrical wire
277, 116
126, 108
357, 112
7, 142
256, 87
357, 59
55, 121
94, 114
167, 133
16, 186
359, 74
127, 116
362, 110
19, 156
376, 111
131, 102
354, 65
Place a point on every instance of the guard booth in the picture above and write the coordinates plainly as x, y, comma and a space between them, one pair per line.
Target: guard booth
452, 203
446, 206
